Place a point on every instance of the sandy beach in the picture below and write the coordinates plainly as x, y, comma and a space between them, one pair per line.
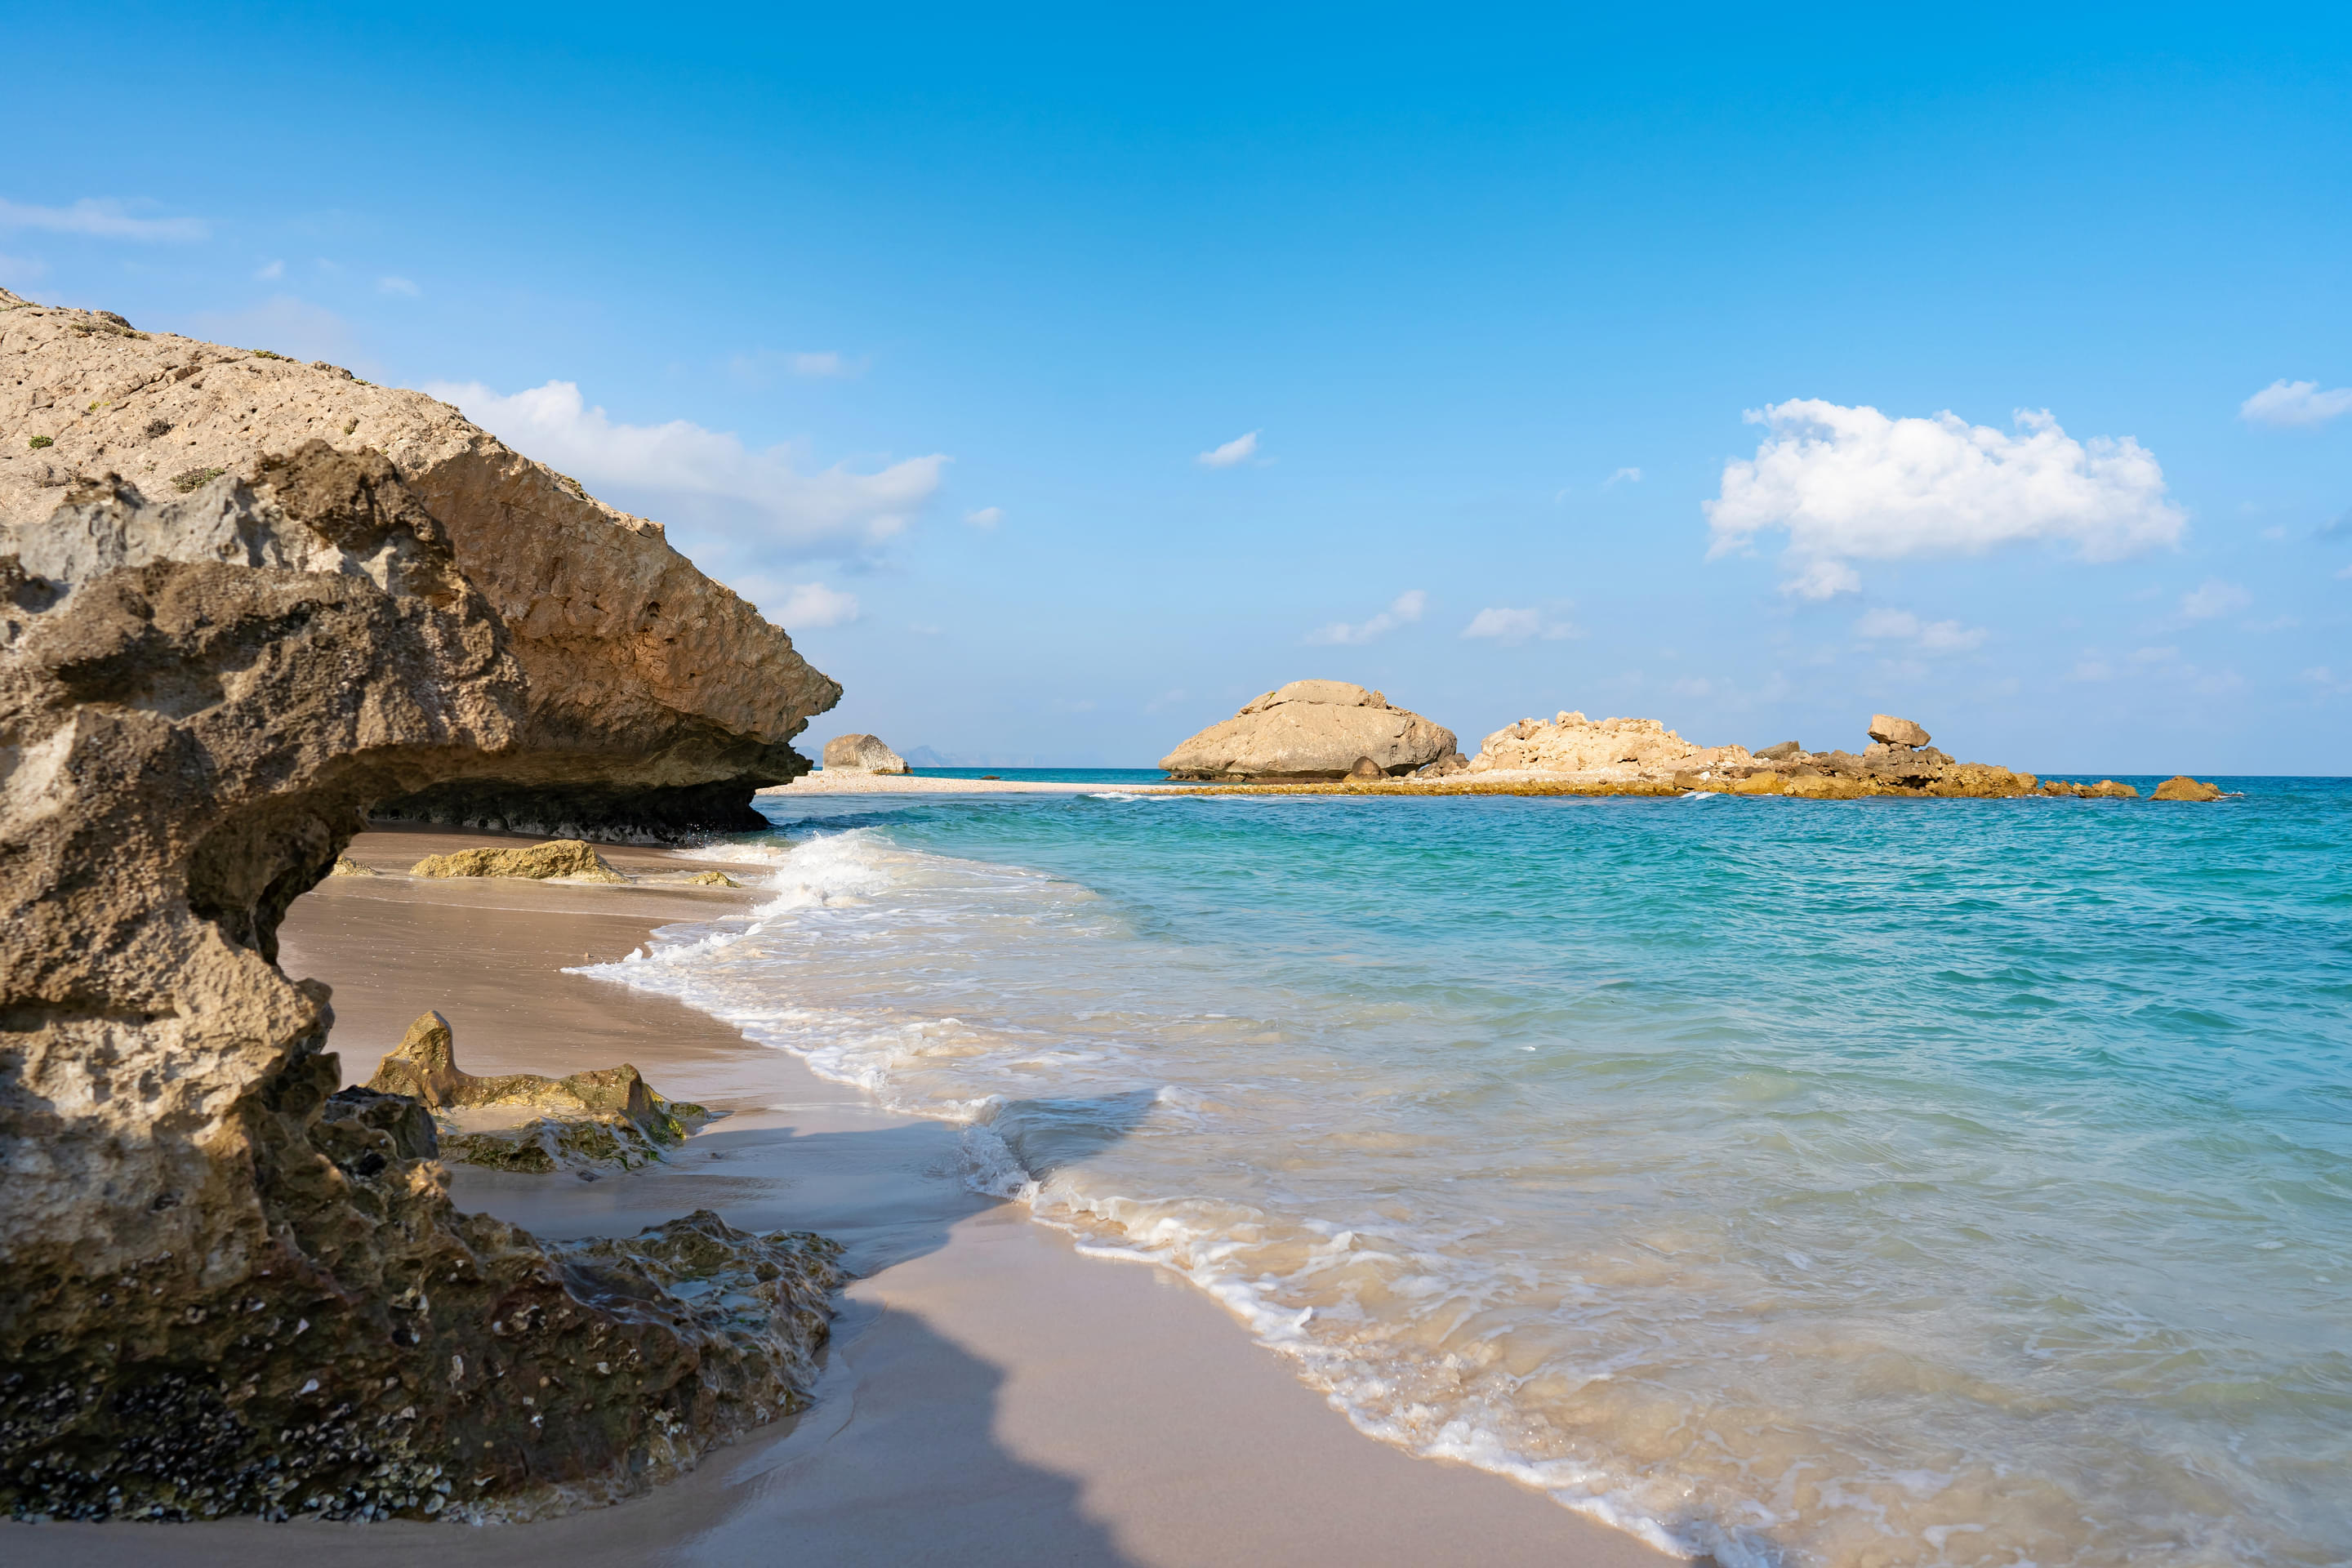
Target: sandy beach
991, 1396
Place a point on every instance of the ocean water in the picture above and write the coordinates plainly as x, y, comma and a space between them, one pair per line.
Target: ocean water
1877, 1183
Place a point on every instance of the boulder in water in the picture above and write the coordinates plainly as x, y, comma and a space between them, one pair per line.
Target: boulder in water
861, 754
1312, 730
2180, 787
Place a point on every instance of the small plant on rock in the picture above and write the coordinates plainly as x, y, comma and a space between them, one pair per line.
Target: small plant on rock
192, 478
37, 442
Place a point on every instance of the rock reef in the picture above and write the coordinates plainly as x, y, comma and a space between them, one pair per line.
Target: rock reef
1313, 730
609, 1116
654, 701
224, 1287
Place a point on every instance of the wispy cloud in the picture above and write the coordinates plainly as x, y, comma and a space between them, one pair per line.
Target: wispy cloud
99, 220
269, 272
815, 605
399, 285
1848, 484
1240, 449
1514, 626
1402, 610
819, 363
2213, 597
986, 517
283, 324
683, 462
2292, 403
1928, 636
1622, 476
21, 269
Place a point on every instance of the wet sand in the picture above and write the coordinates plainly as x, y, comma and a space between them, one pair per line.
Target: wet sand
991, 1396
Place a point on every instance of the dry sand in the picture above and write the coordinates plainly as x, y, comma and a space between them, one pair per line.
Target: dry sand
990, 1398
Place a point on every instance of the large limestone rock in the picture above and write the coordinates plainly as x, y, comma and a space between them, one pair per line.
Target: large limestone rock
861, 754
1889, 731
1606, 750
654, 700
1312, 730
570, 859
224, 1287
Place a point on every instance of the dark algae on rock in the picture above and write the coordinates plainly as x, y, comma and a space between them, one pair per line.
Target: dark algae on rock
225, 1288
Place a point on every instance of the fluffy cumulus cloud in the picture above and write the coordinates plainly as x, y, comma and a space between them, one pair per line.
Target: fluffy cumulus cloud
1928, 636
815, 605
1512, 626
682, 464
98, 219
2295, 403
1403, 610
1240, 449
1848, 484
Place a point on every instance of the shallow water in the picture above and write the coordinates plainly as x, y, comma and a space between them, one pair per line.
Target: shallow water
1885, 1181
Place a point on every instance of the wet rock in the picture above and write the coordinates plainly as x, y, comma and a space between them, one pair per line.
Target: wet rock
568, 859
2180, 787
345, 866
712, 879
1311, 729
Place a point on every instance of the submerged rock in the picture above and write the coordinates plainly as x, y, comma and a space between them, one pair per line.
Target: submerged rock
522, 1121
224, 1287
1312, 730
712, 879
2180, 787
345, 866
566, 858
861, 754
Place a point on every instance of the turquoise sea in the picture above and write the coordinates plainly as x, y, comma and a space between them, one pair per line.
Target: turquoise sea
1884, 1182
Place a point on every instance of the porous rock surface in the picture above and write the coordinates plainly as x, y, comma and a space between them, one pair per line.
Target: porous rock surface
1606, 750
1311, 729
2180, 787
654, 699
861, 754
224, 1287
570, 858
523, 1122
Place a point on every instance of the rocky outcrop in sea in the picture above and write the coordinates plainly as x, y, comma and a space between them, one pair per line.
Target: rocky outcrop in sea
1313, 730
225, 1288
861, 754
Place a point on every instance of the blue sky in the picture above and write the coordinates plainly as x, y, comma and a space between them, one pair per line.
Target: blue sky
1495, 291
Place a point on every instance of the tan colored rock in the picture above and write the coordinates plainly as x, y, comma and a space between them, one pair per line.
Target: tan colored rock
655, 699
861, 754
713, 880
1312, 730
522, 1121
1891, 731
1367, 771
345, 866
1571, 746
2180, 787
224, 1287
568, 859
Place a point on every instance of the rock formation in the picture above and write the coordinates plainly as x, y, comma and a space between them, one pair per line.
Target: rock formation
654, 701
222, 1288
1609, 751
1311, 729
568, 859
861, 754
1888, 731
522, 1121
1619, 753
2180, 787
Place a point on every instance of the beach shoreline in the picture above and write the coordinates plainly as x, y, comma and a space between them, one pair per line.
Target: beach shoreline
991, 1395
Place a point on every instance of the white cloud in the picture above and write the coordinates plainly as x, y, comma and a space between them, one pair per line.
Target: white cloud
101, 220
1691, 686
819, 363
1402, 610
2326, 678
1513, 626
2091, 669
815, 605
1622, 475
986, 517
1929, 637
1851, 483
2344, 574
1240, 449
21, 269
269, 272
2295, 403
683, 461
2213, 597
400, 286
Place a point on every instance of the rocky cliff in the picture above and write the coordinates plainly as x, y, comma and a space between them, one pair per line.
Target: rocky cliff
654, 700
225, 1288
